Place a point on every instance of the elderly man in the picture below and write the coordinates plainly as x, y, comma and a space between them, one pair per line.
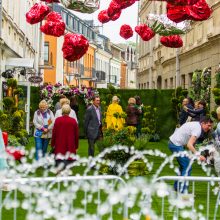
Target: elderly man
93, 124
186, 136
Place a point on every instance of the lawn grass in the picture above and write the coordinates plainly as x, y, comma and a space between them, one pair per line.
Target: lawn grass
156, 204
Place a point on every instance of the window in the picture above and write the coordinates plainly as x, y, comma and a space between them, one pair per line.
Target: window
46, 52
171, 82
80, 28
183, 82
165, 84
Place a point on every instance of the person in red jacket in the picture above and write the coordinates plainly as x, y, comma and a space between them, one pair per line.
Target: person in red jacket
65, 138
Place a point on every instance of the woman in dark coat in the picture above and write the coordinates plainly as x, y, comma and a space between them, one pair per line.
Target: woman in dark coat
132, 113
65, 137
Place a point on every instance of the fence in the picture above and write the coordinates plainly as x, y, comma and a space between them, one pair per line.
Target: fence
45, 198
192, 180
98, 197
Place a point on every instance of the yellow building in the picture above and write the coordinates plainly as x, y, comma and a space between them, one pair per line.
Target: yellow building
80, 72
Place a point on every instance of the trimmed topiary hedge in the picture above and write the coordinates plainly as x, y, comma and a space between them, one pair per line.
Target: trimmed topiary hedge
161, 99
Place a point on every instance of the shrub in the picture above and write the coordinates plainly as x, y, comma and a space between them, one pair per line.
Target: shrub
142, 141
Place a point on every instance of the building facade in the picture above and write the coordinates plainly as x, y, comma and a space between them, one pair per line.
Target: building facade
166, 68
115, 65
103, 57
130, 58
18, 39
80, 72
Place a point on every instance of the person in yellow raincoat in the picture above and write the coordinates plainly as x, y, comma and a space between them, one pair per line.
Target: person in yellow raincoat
114, 113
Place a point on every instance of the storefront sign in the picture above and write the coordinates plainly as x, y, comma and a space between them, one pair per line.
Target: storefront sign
35, 79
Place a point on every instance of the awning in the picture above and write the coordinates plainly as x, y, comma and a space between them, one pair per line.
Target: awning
20, 62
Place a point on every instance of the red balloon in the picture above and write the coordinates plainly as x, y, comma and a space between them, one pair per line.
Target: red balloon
74, 46
103, 16
37, 13
54, 25
173, 41
145, 32
126, 31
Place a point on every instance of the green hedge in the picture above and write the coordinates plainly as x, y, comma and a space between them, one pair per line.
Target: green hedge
161, 99
156, 98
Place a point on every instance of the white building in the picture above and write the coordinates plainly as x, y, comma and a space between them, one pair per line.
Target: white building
18, 39
103, 57
130, 57
115, 65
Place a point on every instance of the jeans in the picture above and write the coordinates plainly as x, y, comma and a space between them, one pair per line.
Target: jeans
184, 168
41, 145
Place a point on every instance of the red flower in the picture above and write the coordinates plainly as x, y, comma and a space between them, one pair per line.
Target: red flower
145, 32
173, 41
126, 31
103, 16
126, 3
180, 2
51, 1
37, 13
197, 12
54, 25
116, 16
74, 46
113, 8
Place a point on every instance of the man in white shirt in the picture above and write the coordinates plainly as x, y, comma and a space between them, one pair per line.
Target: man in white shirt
187, 135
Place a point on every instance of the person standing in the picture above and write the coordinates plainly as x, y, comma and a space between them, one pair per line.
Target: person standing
65, 137
197, 113
132, 113
74, 105
58, 105
43, 123
93, 124
186, 136
139, 106
183, 116
113, 121
72, 113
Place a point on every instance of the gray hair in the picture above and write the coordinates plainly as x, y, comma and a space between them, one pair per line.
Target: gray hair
66, 109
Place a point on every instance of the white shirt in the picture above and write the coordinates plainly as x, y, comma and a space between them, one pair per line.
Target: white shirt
71, 115
182, 135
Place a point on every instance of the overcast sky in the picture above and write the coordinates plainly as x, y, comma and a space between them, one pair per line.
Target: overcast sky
112, 28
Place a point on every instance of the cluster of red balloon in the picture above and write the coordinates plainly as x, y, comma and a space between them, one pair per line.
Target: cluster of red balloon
74, 46
177, 11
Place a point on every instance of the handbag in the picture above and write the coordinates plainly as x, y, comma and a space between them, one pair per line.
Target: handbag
38, 133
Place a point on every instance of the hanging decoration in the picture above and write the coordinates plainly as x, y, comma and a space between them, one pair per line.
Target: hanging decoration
179, 2
145, 32
83, 6
126, 3
116, 16
113, 8
197, 12
54, 25
126, 31
103, 16
163, 26
37, 13
74, 46
51, 1
173, 41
